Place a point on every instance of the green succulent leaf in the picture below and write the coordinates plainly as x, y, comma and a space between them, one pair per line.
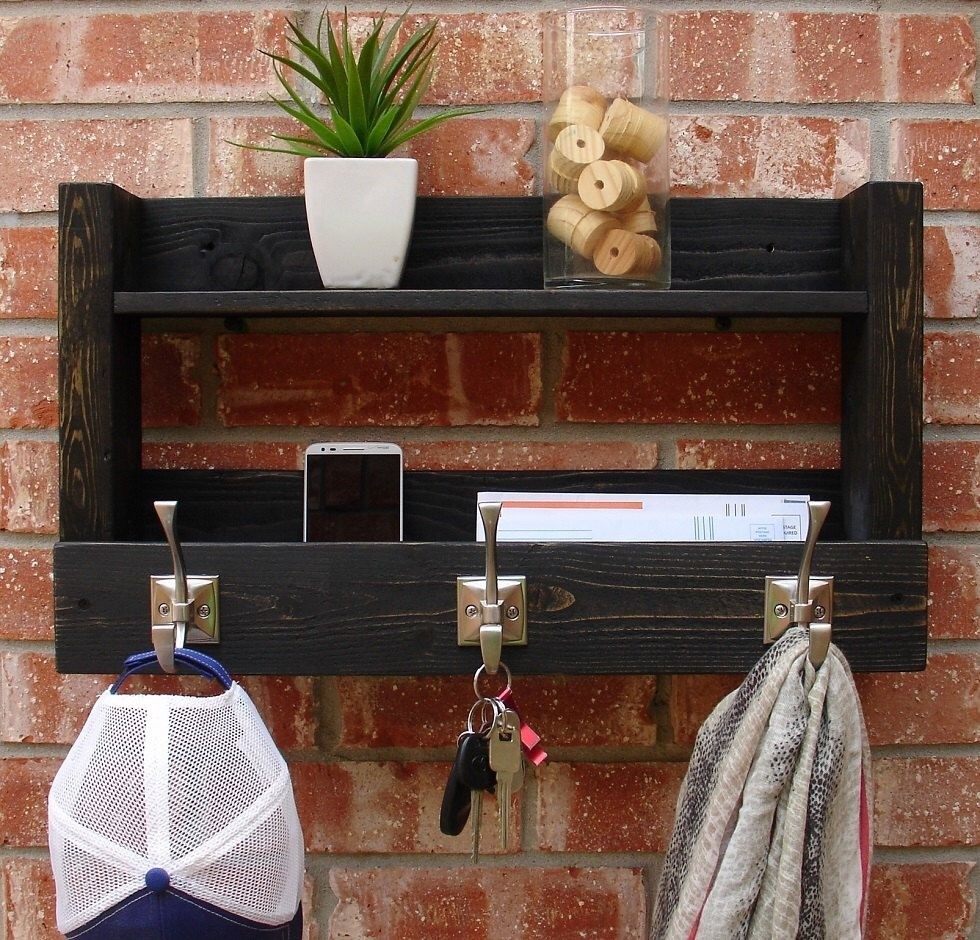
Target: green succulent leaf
368, 95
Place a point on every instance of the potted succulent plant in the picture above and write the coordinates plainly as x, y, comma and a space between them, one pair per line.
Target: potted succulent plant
359, 209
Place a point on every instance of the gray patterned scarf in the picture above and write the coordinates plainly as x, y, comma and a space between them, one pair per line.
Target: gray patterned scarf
772, 838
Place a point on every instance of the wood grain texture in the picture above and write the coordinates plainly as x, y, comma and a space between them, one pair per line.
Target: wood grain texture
881, 428
98, 364
377, 609
482, 243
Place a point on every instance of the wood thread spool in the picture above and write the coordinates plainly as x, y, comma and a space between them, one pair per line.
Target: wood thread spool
575, 148
632, 131
621, 254
611, 185
639, 222
579, 104
574, 224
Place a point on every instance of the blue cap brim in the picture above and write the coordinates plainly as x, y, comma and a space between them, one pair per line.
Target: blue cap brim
173, 915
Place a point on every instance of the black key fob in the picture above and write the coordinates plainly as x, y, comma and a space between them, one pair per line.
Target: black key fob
455, 811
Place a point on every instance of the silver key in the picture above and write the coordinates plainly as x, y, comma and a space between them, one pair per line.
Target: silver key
476, 814
507, 763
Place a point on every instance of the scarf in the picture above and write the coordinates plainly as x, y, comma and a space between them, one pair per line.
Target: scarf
772, 837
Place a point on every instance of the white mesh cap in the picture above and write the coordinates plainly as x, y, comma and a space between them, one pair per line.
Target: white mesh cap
193, 786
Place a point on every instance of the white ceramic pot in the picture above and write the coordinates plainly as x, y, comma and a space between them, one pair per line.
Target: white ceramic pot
360, 212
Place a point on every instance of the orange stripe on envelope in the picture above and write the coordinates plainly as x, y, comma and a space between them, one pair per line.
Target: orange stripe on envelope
571, 504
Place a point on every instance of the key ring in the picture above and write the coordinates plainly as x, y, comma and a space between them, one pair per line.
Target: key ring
496, 706
483, 669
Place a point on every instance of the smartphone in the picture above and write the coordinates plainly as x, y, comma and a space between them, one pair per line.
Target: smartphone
352, 492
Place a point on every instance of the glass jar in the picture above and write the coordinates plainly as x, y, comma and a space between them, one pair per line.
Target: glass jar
605, 143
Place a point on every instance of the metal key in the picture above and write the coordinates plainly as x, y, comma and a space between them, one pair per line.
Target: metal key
475, 772
506, 761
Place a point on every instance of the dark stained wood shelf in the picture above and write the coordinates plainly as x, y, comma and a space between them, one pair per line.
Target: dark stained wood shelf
496, 303
288, 608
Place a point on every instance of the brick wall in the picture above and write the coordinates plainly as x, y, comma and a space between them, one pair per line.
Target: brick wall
789, 100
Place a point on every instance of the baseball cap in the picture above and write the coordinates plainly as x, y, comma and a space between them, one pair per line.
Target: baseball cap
173, 817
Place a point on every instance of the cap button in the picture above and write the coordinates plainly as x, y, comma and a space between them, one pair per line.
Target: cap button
157, 880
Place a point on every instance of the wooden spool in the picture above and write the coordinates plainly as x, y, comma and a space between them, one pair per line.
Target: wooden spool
611, 185
621, 254
640, 221
579, 104
574, 224
575, 148
633, 131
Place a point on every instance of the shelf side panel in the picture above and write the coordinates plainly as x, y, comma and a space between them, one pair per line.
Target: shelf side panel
98, 363
881, 427
390, 609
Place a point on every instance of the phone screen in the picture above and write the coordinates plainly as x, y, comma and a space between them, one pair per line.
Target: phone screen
353, 497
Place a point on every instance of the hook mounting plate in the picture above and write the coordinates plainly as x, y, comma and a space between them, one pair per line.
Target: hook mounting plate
512, 597
780, 595
202, 595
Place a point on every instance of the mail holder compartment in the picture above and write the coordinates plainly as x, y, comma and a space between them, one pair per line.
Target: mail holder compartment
390, 609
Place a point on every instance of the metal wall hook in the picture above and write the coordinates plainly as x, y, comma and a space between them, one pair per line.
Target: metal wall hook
182, 610
803, 600
491, 611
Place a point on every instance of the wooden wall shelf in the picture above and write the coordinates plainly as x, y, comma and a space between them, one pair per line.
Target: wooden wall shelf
288, 608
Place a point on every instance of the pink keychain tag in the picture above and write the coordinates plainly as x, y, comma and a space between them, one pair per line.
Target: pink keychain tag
530, 739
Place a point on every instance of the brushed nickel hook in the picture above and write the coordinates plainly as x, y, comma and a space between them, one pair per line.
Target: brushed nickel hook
803, 605
182, 609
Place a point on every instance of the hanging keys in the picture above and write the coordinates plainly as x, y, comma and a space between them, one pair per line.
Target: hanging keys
470, 776
507, 763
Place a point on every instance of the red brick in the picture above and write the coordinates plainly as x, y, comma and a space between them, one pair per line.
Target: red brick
927, 801
774, 155
149, 57
468, 903
236, 171
29, 487
952, 378
28, 886
485, 58
255, 455
954, 591
756, 455
607, 807
25, 783
711, 55
29, 391
28, 272
364, 807
149, 157
938, 706
479, 156
935, 60
288, 706
398, 379
171, 391
598, 711
921, 902
692, 699
41, 41
952, 271
951, 486
529, 455
26, 602
699, 378
942, 155
836, 57
39, 706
